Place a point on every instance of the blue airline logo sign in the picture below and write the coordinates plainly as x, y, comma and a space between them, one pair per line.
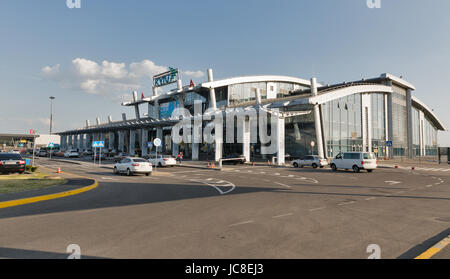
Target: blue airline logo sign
171, 76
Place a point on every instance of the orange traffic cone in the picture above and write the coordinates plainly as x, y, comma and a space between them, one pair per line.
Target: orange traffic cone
268, 162
208, 166
213, 166
253, 164
58, 170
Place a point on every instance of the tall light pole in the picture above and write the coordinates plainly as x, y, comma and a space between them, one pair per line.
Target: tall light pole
51, 113
51, 121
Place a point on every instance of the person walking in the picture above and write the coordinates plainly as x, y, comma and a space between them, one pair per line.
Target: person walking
180, 157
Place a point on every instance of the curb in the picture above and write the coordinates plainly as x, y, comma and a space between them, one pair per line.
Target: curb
434, 249
13, 203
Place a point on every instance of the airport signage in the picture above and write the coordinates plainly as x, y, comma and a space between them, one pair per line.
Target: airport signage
157, 142
171, 76
98, 144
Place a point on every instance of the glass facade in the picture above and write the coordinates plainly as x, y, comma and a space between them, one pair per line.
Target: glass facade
300, 131
399, 121
378, 124
430, 138
416, 131
342, 125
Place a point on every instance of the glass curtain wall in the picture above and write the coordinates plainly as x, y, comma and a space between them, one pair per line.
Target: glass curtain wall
430, 137
343, 127
399, 121
378, 124
416, 131
300, 132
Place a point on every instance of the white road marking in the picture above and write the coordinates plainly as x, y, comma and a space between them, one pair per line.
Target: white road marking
284, 185
241, 223
345, 203
107, 178
283, 215
391, 182
211, 183
316, 209
428, 186
369, 199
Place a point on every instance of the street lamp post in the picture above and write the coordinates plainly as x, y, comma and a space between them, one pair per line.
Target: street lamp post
51, 121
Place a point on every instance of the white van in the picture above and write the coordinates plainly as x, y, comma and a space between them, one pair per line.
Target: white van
354, 160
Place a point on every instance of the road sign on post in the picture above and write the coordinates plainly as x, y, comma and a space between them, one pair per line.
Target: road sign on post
157, 143
389, 143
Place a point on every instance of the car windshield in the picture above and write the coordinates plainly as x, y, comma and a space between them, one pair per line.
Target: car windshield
10, 156
369, 156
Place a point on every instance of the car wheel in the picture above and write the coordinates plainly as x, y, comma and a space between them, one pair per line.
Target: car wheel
355, 169
314, 165
115, 170
295, 165
128, 172
21, 172
147, 174
369, 170
333, 167
159, 165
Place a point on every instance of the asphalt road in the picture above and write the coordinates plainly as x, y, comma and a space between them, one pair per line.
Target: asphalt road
243, 212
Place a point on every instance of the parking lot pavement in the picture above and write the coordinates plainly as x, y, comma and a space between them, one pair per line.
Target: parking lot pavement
243, 212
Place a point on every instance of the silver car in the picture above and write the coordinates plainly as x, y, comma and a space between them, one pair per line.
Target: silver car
310, 160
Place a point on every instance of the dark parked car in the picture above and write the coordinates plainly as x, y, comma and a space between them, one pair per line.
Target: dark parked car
234, 159
11, 163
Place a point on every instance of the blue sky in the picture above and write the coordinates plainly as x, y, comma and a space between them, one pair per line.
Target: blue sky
89, 58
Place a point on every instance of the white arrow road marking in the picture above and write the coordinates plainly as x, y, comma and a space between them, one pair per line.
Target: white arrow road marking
392, 182
107, 178
217, 184
284, 185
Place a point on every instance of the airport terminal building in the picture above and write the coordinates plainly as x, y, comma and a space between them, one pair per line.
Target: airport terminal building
379, 115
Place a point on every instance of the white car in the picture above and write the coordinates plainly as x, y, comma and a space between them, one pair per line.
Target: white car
133, 165
163, 160
354, 160
71, 154
311, 160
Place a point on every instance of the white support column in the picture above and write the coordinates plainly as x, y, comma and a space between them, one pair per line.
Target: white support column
81, 142
246, 139
121, 141
422, 133
131, 149
144, 142
70, 142
212, 91
111, 140
317, 121
386, 123
63, 142
366, 122
218, 132
280, 139
75, 142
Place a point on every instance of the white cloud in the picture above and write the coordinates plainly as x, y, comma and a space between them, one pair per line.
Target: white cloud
114, 70
146, 68
107, 77
85, 67
50, 72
